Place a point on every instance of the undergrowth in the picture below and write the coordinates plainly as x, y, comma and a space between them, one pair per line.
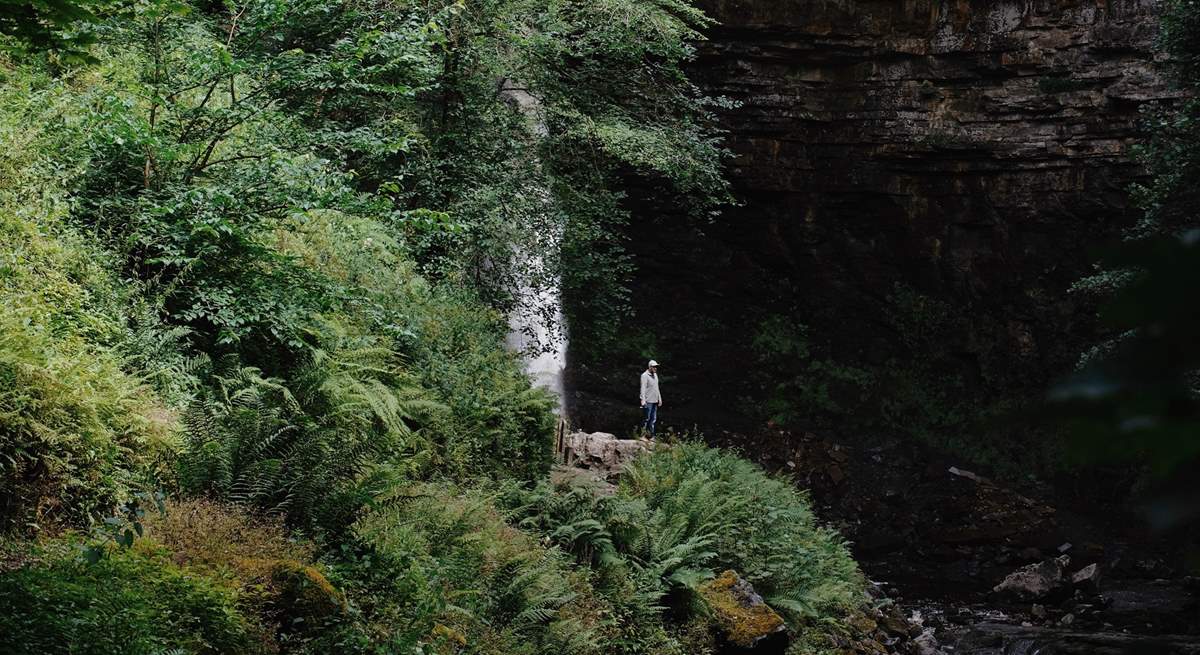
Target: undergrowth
130, 602
683, 514
257, 259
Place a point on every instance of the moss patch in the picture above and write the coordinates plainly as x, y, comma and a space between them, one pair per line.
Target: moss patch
741, 613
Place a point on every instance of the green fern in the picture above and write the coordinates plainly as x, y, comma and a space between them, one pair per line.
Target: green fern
301, 448
681, 514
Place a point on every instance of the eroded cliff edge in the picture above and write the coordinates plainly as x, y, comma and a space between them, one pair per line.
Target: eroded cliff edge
922, 182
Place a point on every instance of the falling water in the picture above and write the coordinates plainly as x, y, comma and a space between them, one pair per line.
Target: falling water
537, 330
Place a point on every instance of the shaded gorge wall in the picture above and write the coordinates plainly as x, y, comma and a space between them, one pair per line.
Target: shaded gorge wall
921, 183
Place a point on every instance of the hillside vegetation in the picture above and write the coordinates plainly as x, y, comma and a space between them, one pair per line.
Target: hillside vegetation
256, 260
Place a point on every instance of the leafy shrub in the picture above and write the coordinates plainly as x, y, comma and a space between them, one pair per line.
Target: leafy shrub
303, 604
683, 513
309, 444
76, 433
305, 447
493, 421
129, 602
440, 567
764, 528
498, 425
658, 551
77, 430
58, 25
275, 577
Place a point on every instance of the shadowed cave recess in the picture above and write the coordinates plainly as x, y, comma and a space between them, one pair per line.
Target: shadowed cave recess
919, 186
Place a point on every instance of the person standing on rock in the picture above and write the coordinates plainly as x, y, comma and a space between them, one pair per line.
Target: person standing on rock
651, 397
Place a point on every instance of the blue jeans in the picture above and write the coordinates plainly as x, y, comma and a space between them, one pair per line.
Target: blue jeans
650, 411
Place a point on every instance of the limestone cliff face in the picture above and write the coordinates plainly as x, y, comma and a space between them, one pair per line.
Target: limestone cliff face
966, 154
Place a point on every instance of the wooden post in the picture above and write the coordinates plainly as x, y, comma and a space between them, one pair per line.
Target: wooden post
560, 440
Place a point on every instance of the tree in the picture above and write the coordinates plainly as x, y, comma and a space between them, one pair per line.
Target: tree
51, 24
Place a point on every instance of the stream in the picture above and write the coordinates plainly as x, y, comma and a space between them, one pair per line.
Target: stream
987, 630
1137, 609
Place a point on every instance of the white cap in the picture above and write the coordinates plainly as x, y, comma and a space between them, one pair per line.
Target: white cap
652, 363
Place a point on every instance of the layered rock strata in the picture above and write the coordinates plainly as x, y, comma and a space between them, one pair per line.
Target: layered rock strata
971, 152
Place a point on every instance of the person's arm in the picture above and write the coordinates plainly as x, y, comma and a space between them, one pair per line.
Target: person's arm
642, 393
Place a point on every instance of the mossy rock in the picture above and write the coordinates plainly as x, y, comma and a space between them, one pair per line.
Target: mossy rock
861, 623
743, 616
303, 596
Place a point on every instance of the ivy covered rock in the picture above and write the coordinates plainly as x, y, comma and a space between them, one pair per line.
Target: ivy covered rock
744, 617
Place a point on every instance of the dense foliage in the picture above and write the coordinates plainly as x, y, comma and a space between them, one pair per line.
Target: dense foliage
452, 568
61, 25
128, 603
256, 261
78, 427
682, 514
604, 568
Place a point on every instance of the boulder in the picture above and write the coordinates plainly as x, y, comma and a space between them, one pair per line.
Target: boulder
745, 619
926, 644
601, 452
1087, 579
1035, 581
893, 622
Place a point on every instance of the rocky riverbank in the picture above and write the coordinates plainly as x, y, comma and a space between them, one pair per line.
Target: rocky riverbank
982, 565
963, 563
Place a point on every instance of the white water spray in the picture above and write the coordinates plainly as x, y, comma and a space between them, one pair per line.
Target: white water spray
537, 328
537, 331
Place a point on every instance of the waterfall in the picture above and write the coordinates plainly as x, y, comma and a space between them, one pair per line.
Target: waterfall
537, 330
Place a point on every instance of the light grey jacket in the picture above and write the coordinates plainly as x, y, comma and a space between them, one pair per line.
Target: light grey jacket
650, 392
